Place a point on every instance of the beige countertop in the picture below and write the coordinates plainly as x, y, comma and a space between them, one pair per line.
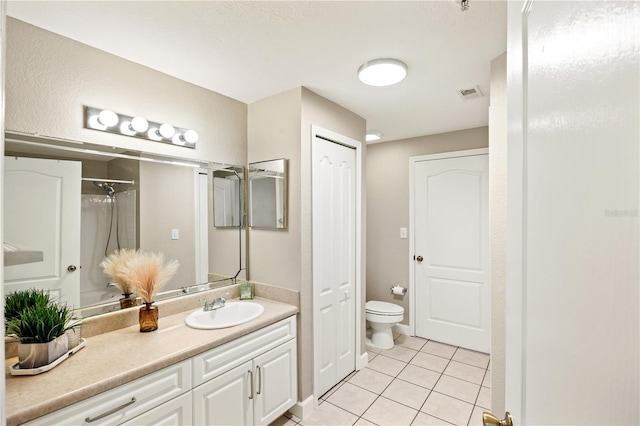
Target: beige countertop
120, 356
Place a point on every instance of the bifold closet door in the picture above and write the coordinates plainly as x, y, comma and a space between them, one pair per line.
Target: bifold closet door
334, 261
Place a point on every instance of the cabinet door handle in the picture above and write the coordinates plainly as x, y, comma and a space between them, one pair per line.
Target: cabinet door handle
251, 380
110, 412
259, 380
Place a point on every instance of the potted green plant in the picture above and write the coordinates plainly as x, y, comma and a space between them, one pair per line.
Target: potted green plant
16, 302
41, 330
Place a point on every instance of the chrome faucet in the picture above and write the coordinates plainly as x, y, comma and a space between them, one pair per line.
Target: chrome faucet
216, 304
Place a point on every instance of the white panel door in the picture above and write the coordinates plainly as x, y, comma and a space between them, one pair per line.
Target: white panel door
225, 400
275, 383
334, 261
573, 329
452, 251
42, 212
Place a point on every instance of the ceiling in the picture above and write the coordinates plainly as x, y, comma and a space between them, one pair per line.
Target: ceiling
252, 50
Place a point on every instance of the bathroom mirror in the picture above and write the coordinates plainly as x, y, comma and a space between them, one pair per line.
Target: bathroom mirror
115, 198
228, 198
268, 194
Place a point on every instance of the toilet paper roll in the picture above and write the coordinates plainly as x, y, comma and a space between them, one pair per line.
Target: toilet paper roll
400, 291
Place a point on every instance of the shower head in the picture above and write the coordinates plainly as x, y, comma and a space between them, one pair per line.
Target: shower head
106, 187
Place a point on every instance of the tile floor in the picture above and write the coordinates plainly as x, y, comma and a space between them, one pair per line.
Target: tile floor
417, 382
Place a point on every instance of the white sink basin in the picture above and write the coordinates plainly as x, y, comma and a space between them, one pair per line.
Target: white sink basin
233, 313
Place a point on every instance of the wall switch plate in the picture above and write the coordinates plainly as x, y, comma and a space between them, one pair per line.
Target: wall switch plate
175, 234
403, 232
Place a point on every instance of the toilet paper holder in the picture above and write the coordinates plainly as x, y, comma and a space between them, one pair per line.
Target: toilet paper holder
398, 290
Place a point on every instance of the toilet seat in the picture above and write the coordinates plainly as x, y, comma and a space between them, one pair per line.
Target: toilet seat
383, 308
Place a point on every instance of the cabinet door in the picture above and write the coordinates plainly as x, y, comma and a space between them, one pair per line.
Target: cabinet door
177, 412
276, 383
226, 399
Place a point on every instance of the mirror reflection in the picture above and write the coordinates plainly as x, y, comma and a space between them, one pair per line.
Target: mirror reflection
68, 206
228, 198
268, 194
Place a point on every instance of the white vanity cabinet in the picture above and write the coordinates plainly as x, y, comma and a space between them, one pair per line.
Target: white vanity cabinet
250, 381
254, 393
126, 402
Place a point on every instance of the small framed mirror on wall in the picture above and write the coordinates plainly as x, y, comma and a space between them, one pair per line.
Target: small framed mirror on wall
268, 194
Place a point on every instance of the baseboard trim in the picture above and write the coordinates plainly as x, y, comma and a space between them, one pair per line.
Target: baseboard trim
402, 329
302, 409
362, 361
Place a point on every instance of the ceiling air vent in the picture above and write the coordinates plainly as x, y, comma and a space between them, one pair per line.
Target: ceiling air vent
473, 93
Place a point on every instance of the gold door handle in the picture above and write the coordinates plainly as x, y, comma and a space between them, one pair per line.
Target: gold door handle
419, 258
489, 419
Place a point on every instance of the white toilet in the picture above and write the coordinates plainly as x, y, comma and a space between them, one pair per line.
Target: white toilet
382, 316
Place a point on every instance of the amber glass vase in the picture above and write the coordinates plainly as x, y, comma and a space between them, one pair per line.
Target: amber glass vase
127, 301
148, 317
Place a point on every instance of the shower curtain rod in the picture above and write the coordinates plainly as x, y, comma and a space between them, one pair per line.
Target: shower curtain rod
131, 182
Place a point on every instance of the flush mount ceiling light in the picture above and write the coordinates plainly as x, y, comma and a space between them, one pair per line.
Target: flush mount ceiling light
108, 121
382, 72
373, 135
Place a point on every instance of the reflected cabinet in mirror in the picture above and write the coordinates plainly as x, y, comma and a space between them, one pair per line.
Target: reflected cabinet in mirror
268, 194
69, 205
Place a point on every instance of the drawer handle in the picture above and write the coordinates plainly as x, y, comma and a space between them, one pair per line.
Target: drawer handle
110, 412
251, 380
259, 380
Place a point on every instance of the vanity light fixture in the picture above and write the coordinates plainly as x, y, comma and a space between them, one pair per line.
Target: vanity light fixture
373, 135
108, 121
382, 72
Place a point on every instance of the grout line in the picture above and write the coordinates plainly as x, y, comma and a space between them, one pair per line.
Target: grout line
464, 380
357, 415
407, 363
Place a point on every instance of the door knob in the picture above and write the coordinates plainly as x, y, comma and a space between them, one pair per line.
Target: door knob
489, 419
419, 258
71, 268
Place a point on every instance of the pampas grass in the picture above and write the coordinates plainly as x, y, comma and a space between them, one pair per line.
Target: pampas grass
148, 273
115, 267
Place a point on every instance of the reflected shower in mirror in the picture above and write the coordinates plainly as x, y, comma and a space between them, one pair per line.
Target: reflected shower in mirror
68, 205
268, 194
228, 198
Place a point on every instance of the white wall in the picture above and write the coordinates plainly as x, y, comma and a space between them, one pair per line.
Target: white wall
280, 127
156, 181
274, 132
50, 78
387, 180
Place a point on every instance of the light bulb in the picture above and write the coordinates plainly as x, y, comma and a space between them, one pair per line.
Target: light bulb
95, 123
108, 118
166, 131
125, 129
154, 134
139, 124
190, 136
